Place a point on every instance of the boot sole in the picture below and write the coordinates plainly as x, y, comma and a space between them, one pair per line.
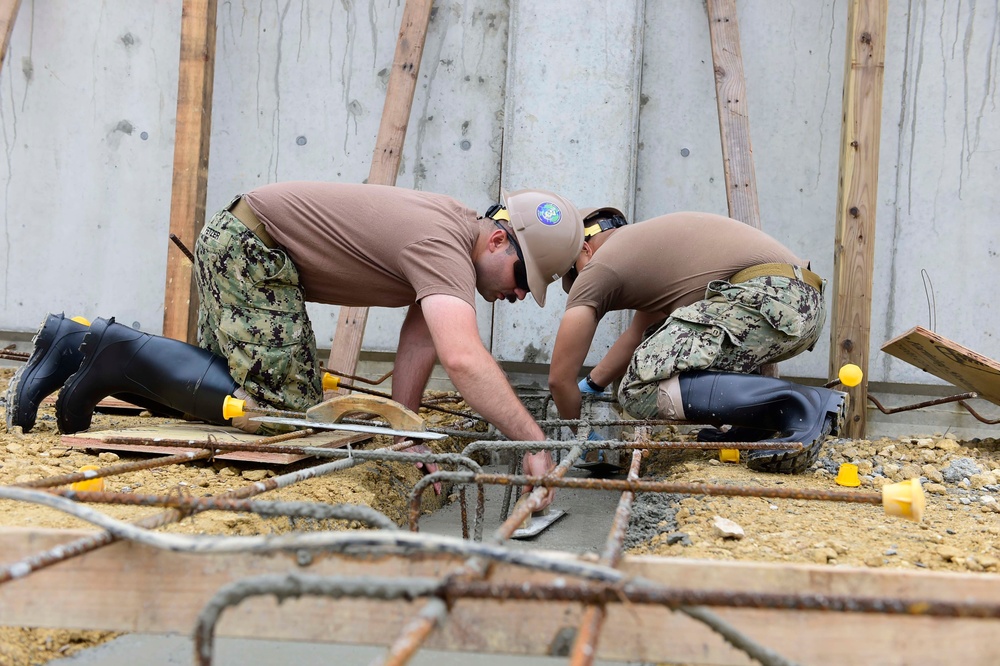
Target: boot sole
796, 462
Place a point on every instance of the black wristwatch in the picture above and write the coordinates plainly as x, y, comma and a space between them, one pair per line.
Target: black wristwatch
594, 385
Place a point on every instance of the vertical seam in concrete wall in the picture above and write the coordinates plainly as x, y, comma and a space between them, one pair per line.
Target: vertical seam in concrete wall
896, 217
640, 9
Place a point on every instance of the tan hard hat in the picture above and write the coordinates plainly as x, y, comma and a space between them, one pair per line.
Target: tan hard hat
550, 231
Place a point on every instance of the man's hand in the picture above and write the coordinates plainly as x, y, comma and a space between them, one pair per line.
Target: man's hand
539, 464
425, 468
585, 387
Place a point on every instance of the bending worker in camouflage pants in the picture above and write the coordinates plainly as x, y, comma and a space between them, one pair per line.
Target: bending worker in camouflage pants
272, 249
715, 299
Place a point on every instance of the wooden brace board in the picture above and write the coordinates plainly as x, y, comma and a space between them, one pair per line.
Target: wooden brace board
129, 587
948, 360
199, 432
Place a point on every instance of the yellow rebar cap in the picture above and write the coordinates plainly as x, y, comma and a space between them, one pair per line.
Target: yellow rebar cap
89, 485
232, 407
847, 476
81, 320
850, 375
729, 455
330, 382
905, 499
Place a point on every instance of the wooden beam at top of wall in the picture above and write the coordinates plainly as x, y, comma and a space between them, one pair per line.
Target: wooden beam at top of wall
190, 181
857, 191
8, 12
734, 113
346, 346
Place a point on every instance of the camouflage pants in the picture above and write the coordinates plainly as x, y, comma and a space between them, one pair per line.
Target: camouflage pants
736, 328
253, 313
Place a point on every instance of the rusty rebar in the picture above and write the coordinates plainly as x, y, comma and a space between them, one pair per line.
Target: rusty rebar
435, 611
11, 355
927, 403
977, 415
182, 247
113, 470
66, 551
585, 647
634, 486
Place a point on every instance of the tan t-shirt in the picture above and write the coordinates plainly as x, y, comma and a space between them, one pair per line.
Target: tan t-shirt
371, 245
667, 262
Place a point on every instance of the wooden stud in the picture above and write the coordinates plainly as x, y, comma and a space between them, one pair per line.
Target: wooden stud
854, 247
190, 180
346, 346
8, 12
734, 113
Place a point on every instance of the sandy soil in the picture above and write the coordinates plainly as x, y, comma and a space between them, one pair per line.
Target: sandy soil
959, 531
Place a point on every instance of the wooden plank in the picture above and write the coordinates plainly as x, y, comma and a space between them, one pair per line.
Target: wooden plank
127, 587
854, 247
734, 113
346, 346
190, 180
948, 360
199, 432
8, 12
107, 404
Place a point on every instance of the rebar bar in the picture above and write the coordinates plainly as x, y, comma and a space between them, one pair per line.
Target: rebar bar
634, 486
927, 403
585, 646
113, 470
11, 355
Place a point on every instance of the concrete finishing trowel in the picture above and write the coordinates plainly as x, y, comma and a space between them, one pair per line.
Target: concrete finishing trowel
537, 522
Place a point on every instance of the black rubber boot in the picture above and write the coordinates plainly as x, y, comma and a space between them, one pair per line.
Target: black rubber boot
734, 434
796, 413
118, 359
56, 355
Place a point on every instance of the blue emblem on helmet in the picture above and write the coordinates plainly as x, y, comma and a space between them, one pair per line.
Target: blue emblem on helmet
548, 213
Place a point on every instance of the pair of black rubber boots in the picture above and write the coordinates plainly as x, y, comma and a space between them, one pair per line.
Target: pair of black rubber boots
763, 409
89, 363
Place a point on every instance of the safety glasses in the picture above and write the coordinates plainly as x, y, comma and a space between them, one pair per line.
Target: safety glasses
520, 271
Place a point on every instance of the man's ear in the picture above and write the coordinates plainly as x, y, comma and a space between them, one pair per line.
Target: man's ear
587, 249
496, 240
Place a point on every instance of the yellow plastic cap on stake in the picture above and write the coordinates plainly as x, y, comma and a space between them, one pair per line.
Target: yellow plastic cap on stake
89, 485
850, 375
330, 382
233, 407
847, 476
905, 499
729, 455
81, 320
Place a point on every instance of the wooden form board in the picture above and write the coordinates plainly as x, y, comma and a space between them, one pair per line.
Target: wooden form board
854, 246
734, 113
128, 587
346, 346
948, 360
8, 12
190, 179
200, 432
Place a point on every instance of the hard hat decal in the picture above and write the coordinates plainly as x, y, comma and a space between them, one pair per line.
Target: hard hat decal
548, 213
